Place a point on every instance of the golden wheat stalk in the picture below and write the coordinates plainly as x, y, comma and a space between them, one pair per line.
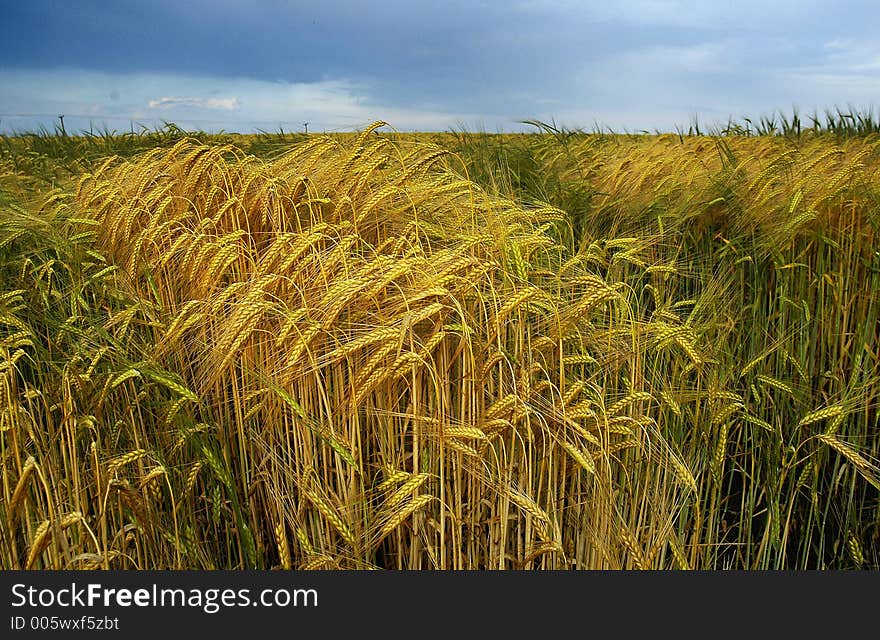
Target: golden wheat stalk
20, 490
406, 489
283, 546
331, 516
821, 414
405, 512
43, 536
865, 468
114, 464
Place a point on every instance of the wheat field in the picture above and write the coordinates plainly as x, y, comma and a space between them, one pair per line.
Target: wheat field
440, 351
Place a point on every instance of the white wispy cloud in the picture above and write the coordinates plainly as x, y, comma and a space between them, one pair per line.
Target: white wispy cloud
848, 55
228, 104
846, 73
718, 56
209, 103
717, 15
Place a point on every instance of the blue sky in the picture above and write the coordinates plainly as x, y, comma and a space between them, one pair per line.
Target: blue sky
270, 64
